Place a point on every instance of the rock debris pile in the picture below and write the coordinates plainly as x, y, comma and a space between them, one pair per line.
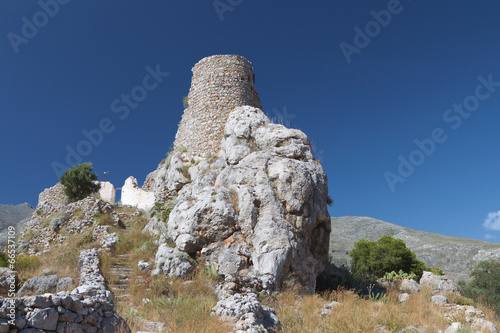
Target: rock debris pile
51, 222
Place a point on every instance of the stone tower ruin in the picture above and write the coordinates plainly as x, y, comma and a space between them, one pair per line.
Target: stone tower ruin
219, 84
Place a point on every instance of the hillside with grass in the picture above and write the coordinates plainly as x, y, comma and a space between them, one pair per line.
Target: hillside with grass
454, 255
158, 303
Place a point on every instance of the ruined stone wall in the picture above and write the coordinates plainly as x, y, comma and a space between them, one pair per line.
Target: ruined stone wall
53, 195
89, 308
107, 192
219, 84
134, 196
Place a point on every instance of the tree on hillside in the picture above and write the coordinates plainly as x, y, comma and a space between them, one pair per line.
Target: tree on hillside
374, 259
485, 284
79, 182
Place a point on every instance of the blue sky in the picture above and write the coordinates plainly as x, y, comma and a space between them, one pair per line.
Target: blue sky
400, 98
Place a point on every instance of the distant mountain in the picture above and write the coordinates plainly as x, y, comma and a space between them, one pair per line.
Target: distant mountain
454, 255
13, 215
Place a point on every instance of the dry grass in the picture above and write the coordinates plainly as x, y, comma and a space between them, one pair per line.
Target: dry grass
489, 313
301, 313
186, 306
61, 260
181, 306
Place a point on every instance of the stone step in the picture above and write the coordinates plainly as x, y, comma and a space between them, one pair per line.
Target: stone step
121, 269
120, 276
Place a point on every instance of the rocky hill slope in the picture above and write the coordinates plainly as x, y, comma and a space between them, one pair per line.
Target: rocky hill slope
454, 255
13, 215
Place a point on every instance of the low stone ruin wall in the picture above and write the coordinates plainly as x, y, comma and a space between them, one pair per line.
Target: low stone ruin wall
107, 192
133, 195
87, 309
53, 195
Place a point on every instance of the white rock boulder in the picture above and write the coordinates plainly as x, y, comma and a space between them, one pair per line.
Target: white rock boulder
261, 201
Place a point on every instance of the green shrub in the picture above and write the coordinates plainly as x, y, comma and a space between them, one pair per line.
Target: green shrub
485, 284
371, 260
79, 182
168, 158
185, 171
104, 219
185, 101
162, 210
86, 237
455, 298
27, 262
340, 278
78, 213
4, 260
393, 276
212, 273
56, 222
435, 270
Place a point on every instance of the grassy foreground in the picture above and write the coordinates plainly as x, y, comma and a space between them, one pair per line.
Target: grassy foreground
185, 305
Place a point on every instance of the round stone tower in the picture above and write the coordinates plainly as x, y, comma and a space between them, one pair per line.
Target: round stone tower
219, 84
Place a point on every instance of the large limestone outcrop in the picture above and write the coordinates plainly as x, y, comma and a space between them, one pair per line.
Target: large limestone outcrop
258, 208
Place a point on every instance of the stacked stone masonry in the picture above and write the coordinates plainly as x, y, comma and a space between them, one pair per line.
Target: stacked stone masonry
219, 84
54, 195
89, 308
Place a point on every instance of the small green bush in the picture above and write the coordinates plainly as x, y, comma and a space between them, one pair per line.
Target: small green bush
393, 276
79, 182
4, 260
104, 219
455, 298
27, 262
485, 284
162, 210
78, 213
212, 273
87, 237
168, 158
185, 171
56, 222
340, 278
371, 260
435, 270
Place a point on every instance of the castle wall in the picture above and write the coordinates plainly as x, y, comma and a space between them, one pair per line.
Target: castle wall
219, 84
107, 192
54, 195
132, 195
